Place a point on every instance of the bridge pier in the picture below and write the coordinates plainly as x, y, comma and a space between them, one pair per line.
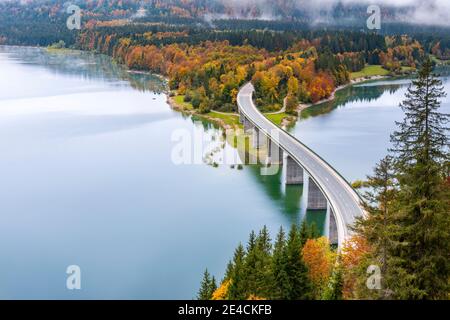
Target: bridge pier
247, 124
332, 228
241, 117
294, 172
316, 199
259, 139
274, 153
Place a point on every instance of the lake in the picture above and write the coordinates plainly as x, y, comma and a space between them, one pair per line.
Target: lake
88, 178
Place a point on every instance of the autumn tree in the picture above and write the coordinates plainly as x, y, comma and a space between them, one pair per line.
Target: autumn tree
319, 259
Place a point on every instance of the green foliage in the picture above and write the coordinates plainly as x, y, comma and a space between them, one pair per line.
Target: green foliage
207, 287
334, 289
301, 287
420, 255
408, 219
271, 271
370, 71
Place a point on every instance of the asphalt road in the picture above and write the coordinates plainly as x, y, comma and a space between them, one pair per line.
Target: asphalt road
343, 200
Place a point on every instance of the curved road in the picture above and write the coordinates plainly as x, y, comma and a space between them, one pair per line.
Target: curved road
343, 200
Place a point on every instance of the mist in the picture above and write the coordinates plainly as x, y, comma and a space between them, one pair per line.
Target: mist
427, 12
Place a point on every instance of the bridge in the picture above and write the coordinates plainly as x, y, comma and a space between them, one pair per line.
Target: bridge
327, 190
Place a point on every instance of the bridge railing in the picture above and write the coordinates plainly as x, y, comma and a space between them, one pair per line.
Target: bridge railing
359, 197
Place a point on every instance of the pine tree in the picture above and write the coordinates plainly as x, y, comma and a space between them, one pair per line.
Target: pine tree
376, 227
228, 271
301, 287
281, 285
304, 232
263, 264
212, 287
237, 290
250, 266
420, 262
207, 287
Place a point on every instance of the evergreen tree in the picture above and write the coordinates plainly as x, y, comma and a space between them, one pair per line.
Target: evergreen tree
281, 285
207, 287
420, 262
250, 266
257, 264
301, 287
212, 286
263, 263
377, 225
237, 290
228, 271
335, 286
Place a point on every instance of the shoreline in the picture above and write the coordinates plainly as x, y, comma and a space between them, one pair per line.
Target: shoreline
285, 122
303, 106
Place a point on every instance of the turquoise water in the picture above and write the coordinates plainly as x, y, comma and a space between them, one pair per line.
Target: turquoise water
353, 132
87, 178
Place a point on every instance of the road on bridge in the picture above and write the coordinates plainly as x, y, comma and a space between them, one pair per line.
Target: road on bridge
342, 198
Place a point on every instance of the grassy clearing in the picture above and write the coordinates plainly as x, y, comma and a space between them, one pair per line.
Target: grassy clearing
277, 118
370, 71
179, 100
229, 119
439, 61
408, 69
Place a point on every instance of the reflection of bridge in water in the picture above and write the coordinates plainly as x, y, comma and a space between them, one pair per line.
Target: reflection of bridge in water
327, 190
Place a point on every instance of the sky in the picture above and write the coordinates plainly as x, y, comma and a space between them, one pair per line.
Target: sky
429, 12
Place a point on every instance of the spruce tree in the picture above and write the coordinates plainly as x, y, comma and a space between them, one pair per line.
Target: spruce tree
207, 287
228, 271
250, 266
263, 263
237, 290
335, 286
304, 232
301, 287
212, 286
281, 285
376, 227
420, 262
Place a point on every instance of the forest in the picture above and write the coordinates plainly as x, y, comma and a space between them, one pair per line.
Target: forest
206, 57
209, 66
207, 60
398, 251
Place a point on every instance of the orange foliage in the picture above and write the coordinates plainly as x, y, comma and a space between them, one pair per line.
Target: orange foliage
321, 87
319, 259
353, 252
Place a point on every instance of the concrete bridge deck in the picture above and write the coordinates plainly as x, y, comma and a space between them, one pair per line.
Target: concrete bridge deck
343, 200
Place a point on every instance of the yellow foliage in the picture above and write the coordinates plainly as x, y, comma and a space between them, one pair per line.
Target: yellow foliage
222, 291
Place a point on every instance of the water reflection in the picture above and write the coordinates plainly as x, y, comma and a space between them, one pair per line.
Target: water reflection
353, 132
363, 93
84, 65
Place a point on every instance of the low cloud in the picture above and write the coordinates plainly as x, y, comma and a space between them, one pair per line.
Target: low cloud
428, 12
